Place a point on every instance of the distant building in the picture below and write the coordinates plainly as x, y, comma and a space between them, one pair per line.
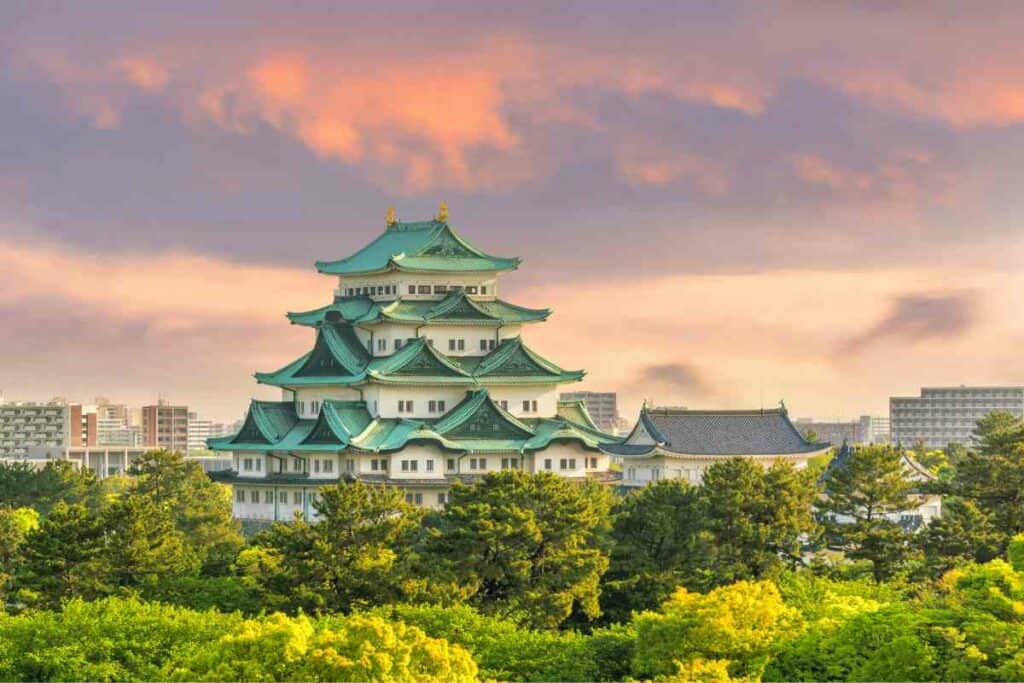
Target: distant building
23, 425
671, 443
603, 407
165, 426
106, 461
944, 415
113, 425
874, 429
199, 430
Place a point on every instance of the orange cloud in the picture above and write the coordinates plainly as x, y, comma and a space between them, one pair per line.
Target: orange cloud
145, 73
646, 165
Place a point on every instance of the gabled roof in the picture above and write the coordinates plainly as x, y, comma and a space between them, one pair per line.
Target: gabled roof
478, 417
338, 358
477, 424
457, 308
714, 433
576, 411
424, 246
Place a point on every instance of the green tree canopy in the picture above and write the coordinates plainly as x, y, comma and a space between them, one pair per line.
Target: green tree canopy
356, 555
861, 491
527, 546
657, 546
23, 485
756, 519
200, 508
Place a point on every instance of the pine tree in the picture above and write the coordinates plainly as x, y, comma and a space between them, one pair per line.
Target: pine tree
865, 487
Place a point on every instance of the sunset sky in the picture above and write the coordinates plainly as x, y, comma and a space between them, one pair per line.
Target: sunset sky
725, 204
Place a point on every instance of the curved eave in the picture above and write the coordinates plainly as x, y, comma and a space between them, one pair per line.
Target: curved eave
393, 265
657, 451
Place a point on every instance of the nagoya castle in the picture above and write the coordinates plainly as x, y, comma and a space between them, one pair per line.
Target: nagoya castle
418, 378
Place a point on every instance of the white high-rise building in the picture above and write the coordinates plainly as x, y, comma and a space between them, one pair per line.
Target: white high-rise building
944, 415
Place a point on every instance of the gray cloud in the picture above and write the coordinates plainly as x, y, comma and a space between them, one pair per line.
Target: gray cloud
671, 383
921, 317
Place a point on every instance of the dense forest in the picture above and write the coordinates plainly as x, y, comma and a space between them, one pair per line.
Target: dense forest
524, 577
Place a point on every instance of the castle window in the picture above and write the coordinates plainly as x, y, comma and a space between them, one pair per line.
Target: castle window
259, 464
382, 344
503, 404
240, 496
328, 466
483, 290
440, 289
430, 465
418, 498
562, 464
398, 344
268, 496
547, 463
441, 499
483, 344
462, 344
412, 289
440, 406
451, 344
451, 463
316, 465
297, 498
471, 289
424, 289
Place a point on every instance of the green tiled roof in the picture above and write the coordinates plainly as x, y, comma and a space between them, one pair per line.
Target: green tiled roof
338, 358
425, 246
576, 411
477, 424
455, 309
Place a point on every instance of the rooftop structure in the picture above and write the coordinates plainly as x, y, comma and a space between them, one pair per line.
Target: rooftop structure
673, 443
418, 377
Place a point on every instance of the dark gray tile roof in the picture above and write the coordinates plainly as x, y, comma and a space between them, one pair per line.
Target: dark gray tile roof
726, 432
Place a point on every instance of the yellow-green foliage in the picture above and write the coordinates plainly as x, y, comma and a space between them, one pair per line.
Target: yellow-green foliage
741, 624
121, 639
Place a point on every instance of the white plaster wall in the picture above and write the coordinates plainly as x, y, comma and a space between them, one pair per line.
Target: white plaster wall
383, 400
308, 395
568, 452
421, 455
404, 280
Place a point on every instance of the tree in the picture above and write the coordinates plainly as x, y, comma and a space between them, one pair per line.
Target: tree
657, 546
62, 558
962, 534
992, 477
526, 546
141, 545
22, 485
999, 432
15, 525
860, 492
201, 508
738, 626
354, 556
756, 520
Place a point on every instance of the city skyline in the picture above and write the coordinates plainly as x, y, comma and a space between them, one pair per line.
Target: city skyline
769, 204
